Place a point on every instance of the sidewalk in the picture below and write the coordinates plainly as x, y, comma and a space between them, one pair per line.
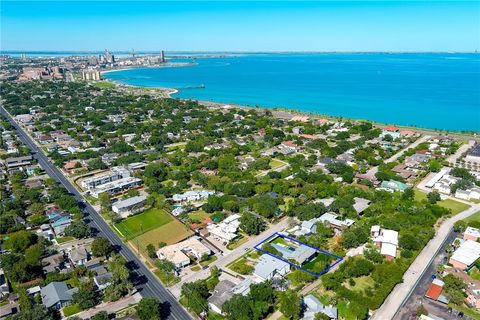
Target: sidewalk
110, 307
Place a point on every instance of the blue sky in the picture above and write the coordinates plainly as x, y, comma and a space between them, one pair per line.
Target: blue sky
241, 26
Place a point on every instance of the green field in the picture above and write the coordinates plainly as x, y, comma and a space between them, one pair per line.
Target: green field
103, 85
453, 205
363, 283
170, 233
475, 217
136, 225
274, 164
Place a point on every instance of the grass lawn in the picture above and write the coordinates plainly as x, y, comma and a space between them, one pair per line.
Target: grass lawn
71, 309
237, 242
274, 164
467, 311
453, 205
474, 273
170, 233
323, 260
151, 219
475, 217
362, 283
61, 240
279, 240
103, 85
176, 146
207, 262
198, 215
195, 268
167, 279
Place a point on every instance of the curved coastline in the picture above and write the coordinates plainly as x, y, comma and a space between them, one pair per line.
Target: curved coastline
278, 110
172, 91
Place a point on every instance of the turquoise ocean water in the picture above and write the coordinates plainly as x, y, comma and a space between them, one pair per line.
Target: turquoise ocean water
436, 91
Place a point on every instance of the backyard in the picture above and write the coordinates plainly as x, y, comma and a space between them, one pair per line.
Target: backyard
139, 224
453, 205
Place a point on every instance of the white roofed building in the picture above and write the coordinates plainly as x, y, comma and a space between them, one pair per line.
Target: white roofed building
386, 240
129, 206
465, 255
226, 230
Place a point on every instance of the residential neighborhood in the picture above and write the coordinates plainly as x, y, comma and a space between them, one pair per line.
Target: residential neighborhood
229, 213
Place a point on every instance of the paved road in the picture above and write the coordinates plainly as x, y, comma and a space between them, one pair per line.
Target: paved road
410, 146
223, 261
150, 287
412, 276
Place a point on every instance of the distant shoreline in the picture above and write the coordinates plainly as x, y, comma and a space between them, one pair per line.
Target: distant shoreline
166, 65
285, 112
170, 92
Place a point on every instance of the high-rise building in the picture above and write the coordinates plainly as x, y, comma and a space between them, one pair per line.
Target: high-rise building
109, 57
162, 56
90, 75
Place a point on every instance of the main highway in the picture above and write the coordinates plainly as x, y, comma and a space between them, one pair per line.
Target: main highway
151, 286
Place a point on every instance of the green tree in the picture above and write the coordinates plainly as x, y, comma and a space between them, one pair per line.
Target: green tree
78, 229
152, 253
120, 282
101, 247
251, 224
433, 197
148, 309
290, 304
102, 315
195, 295
238, 308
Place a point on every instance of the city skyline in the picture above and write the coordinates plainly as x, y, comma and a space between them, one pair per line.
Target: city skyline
380, 26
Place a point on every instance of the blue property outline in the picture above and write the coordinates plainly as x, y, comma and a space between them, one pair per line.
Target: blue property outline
276, 234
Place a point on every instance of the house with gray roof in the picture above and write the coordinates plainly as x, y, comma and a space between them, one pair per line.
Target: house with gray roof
221, 294
56, 295
224, 290
268, 267
299, 253
78, 256
314, 306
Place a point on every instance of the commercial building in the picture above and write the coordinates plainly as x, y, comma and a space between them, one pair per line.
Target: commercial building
129, 206
116, 173
179, 253
466, 254
90, 75
116, 186
17, 163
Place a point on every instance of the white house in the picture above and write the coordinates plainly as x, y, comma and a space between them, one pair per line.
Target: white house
386, 240
268, 267
226, 230
192, 196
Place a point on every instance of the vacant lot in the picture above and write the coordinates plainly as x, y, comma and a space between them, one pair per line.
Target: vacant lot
170, 233
453, 205
103, 85
473, 218
151, 219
